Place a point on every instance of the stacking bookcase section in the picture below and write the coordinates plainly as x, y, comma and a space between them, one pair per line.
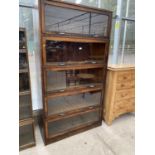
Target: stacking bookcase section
26, 128
75, 45
26, 134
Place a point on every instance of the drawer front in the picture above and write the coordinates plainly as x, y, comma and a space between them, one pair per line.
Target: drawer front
125, 76
124, 94
124, 104
125, 85
62, 126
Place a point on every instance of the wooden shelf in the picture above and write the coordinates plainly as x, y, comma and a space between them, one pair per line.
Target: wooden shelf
71, 67
73, 91
25, 70
24, 92
23, 50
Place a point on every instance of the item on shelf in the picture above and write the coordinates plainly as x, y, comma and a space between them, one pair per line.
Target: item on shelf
75, 45
26, 122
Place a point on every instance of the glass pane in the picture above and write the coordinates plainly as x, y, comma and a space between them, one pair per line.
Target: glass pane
128, 8
70, 52
127, 43
70, 123
25, 107
65, 20
57, 80
27, 2
26, 135
91, 3
67, 103
105, 4
23, 60
26, 21
22, 40
24, 82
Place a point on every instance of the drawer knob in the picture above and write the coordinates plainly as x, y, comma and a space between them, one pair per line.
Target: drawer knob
122, 85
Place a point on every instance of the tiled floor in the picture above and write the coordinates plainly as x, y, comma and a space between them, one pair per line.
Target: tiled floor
117, 139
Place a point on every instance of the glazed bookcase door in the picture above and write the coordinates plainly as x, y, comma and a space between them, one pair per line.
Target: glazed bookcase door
70, 80
26, 136
68, 21
25, 110
62, 53
59, 127
64, 105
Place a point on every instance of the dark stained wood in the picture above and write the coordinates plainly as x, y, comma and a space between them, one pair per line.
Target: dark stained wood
72, 113
97, 52
28, 121
71, 133
53, 36
73, 91
71, 67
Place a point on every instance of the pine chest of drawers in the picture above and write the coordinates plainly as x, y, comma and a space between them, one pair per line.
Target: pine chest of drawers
120, 92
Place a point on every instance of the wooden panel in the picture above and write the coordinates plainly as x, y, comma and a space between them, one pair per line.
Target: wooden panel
62, 126
124, 76
123, 104
26, 136
125, 85
124, 94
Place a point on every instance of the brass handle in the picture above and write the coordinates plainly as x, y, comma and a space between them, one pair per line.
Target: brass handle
122, 85
61, 64
91, 86
93, 62
124, 77
62, 114
91, 107
62, 90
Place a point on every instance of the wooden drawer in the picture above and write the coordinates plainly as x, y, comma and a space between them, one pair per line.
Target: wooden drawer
124, 94
124, 104
123, 111
125, 85
125, 76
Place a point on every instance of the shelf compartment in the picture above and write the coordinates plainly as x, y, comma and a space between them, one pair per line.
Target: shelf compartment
61, 105
23, 63
60, 127
26, 136
24, 82
25, 109
58, 81
62, 53
22, 40
68, 21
